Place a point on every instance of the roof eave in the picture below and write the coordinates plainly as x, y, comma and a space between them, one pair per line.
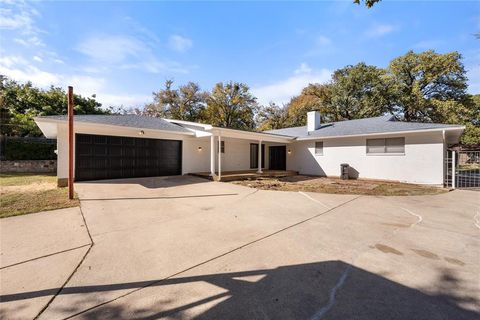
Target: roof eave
459, 128
87, 123
250, 135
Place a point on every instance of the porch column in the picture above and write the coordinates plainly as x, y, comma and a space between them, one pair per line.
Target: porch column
212, 155
454, 169
259, 157
219, 157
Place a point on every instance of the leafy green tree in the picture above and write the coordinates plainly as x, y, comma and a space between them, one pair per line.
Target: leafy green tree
19, 103
430, 87
313, 97
185, 103
231, 105
360, 91
471, 136
354, 92
271, 117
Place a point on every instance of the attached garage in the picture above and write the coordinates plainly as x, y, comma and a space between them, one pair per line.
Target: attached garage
112, 157
120, 146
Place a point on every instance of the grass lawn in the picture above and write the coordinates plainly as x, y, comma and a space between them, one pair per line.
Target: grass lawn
22, 193
338, 186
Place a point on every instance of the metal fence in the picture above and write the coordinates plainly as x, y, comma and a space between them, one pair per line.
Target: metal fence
462, 169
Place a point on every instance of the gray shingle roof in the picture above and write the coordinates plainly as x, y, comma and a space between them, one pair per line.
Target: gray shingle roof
128, 120
383, 124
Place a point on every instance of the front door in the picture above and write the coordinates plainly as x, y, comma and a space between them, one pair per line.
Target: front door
278, 158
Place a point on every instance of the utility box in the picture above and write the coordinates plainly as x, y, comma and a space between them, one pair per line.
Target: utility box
344, 168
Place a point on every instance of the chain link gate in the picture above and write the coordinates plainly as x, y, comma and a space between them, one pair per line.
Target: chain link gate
462, 169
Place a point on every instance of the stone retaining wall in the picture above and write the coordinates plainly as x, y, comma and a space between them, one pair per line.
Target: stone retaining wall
30, 166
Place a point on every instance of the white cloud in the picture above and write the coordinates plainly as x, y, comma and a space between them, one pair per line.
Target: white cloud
29, 42
111, 49
304, 68
131, 100
37, 58
179, 43
323, 41
321, 45
282, 91
380, 30
20, 69
124, 53
20, 16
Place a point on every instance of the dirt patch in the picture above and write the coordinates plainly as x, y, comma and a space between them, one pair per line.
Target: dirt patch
338, 186
23, 193
426, 254
387, 249
454, 261
37, 186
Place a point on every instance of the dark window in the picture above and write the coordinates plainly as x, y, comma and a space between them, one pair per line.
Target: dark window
319, 148
386, 145
222, 146
254, 155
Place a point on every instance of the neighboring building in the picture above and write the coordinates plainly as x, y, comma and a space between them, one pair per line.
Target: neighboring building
122, 146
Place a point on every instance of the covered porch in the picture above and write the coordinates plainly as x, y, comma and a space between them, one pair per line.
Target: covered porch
245, 174
237, 155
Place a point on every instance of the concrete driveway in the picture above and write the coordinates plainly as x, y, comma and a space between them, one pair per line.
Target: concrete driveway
184, 247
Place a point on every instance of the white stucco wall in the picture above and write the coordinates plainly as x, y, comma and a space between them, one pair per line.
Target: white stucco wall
422, 162
193, 160
236, 156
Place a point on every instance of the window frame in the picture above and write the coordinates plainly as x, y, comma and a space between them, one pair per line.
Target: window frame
316, 148
222, 146
385, 151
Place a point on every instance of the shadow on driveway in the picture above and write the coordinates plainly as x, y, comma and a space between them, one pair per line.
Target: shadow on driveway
330, 290
151, 182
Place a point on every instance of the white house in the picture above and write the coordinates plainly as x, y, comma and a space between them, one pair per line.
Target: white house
122, 146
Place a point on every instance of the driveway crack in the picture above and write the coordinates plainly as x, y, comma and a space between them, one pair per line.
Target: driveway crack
74, 270
153, 283
45, 256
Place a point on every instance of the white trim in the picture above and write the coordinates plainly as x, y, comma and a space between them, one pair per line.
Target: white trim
91, 124
249, 135
190, 123
385, 154
382, 133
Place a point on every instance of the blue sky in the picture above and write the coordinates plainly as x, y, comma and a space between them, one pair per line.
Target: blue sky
122, 51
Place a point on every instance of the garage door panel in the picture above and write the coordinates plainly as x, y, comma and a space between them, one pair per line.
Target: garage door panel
100, 150
109, 157
100, 139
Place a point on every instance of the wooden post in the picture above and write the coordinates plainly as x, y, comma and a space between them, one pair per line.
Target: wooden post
70, 142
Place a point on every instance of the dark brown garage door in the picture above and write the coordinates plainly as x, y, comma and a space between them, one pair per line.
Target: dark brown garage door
108, 157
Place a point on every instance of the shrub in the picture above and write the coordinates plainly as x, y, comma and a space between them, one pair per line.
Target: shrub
17, 149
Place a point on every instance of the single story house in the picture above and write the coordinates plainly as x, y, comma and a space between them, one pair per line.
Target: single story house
123, 146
